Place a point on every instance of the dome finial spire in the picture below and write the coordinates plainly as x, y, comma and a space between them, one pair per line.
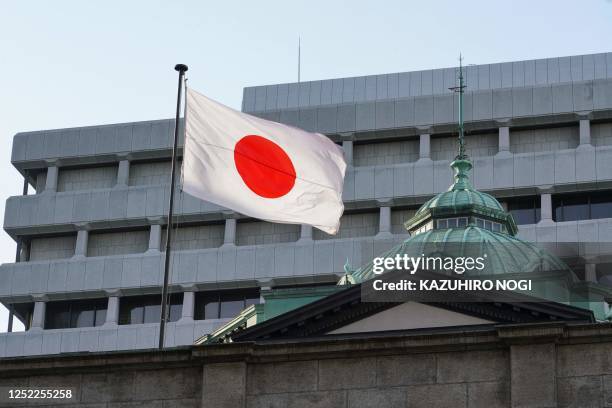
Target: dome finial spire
461, 165
459, 89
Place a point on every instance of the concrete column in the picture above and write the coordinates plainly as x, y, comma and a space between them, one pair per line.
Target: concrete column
229, 238
264, 288
112, 310
188, 306
585, 132
546, 208
504, 139
51, 183
425, 146
590, 272
347, 146
155, 234
24, 251
384, 224
123, 173
306, 233
38, 316
80, 249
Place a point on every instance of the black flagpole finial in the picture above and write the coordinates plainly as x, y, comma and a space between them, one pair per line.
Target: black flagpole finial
181, 67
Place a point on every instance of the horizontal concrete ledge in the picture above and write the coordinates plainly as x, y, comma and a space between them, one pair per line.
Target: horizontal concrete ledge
417, 341
216, 268
103, 338
239, 266
507, 75
400, 184
557, 103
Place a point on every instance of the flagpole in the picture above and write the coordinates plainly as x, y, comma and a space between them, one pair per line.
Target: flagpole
181, 68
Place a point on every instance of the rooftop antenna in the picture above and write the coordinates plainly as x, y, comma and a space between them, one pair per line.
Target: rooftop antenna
460, 90
299, 57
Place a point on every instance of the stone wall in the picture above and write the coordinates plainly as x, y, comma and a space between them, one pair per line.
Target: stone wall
534, 365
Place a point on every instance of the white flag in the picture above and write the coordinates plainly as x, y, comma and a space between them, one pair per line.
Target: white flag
261, 168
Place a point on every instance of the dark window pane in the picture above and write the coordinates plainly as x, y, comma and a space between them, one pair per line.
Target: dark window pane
601, 205
100, 316
231, 308
252, 300
206, 305
152, 313
176, 307
462, 222
57, 315
82, 318
575, 208
136, 315
524, 210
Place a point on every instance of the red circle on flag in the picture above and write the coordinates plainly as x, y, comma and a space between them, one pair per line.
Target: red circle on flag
264, 166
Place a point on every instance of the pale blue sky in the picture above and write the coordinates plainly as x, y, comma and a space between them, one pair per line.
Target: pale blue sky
74, 63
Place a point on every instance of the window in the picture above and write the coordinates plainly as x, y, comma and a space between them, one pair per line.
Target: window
224, 304
524, 210
424, 228
490, 225
147, 309
584, 206
75, 313
451, 222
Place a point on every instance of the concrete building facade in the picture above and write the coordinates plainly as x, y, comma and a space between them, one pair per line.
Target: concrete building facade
539, 136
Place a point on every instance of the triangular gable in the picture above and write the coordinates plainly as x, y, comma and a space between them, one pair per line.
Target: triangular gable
410, 315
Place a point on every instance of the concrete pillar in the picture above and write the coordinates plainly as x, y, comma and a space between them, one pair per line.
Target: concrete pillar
229, 238
347, 146
546, 208
155, 234
123, 173
188, 305
264, 288
504, 139
384, 224
80, 249
24, 251
585, 132
38, 316
112, 310
51, 183
306, 233
425, 146
590, 272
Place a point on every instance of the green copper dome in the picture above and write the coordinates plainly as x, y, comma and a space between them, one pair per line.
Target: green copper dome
505, 253
462, 200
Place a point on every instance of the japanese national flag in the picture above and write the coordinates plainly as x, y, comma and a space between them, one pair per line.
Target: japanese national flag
260, 168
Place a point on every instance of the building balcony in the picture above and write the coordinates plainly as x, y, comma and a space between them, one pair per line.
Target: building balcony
399, 184
95, 339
